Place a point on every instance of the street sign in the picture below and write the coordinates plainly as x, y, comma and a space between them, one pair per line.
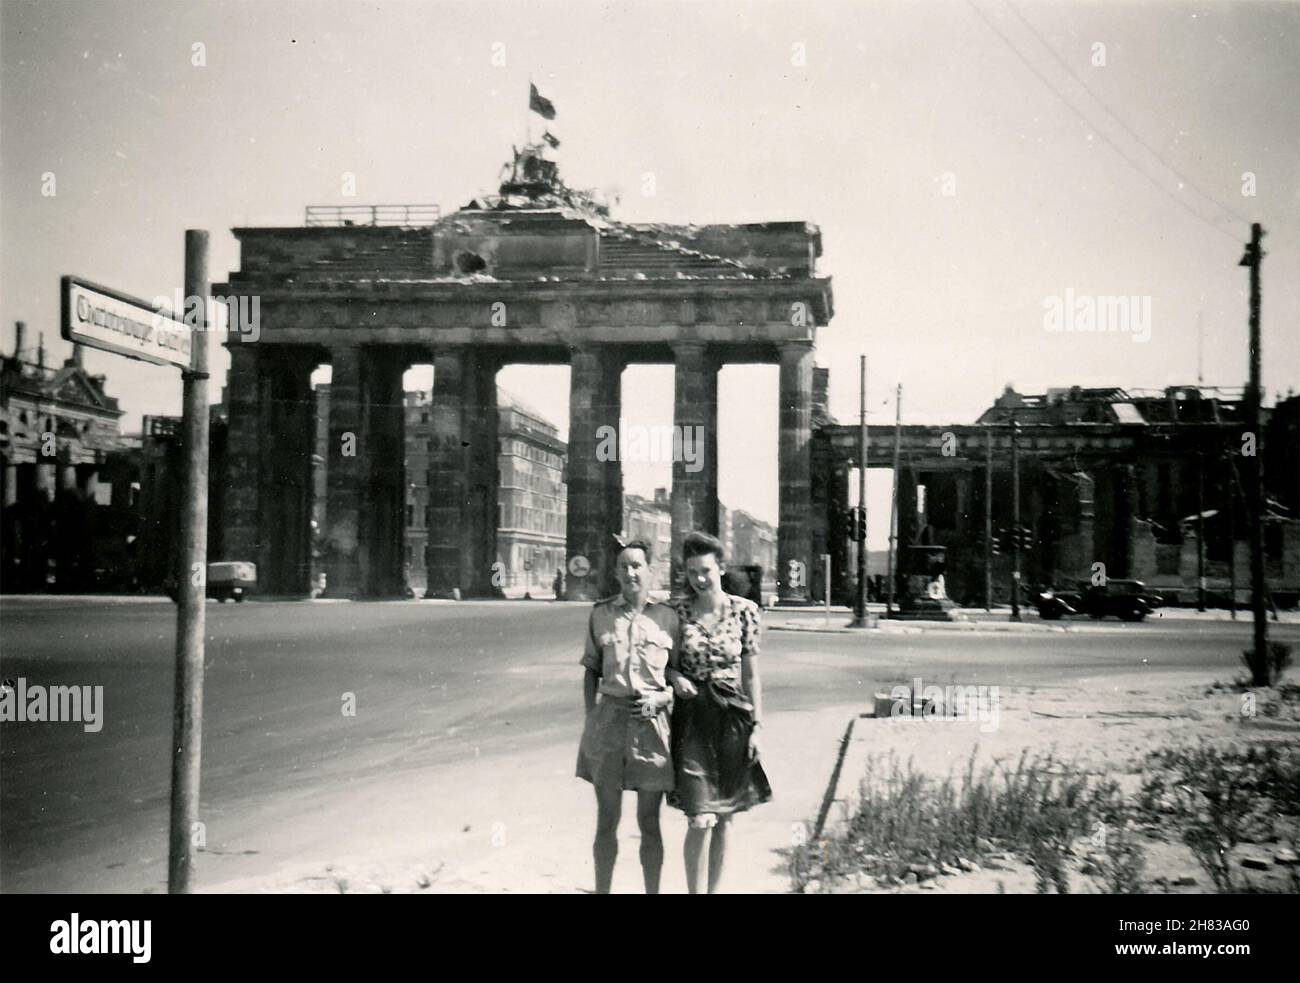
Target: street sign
116, 322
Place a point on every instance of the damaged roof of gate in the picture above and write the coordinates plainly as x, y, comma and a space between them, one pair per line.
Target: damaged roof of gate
476, 245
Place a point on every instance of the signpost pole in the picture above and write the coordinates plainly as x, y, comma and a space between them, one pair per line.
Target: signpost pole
187, 720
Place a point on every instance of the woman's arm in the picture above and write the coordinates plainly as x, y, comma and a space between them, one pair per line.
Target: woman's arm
590, 681
753, 685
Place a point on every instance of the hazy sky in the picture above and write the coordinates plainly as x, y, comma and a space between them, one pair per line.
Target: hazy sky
855, 116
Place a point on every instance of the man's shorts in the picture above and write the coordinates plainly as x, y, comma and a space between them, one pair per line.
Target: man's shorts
622, 749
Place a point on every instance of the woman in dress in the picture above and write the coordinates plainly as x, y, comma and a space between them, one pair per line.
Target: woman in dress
718, 716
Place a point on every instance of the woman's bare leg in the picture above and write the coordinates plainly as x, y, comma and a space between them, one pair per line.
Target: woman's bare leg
698, 832
718, 852
696, 861
652, 840
609, 809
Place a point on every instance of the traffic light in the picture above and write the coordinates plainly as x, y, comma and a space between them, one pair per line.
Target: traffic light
857, 522
996, 544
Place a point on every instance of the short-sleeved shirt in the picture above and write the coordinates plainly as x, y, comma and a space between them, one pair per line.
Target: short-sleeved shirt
716, 652
629, 651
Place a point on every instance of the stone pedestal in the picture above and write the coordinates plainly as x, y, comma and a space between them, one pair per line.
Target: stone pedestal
924, 595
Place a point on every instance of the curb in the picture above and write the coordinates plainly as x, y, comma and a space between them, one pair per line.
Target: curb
828, 799
919, 627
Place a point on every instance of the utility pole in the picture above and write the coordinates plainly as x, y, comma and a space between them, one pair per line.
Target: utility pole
893, 504
1253, 258
1232, 534
1015, 517
988, 518
1200, 530
860, 601
192, 575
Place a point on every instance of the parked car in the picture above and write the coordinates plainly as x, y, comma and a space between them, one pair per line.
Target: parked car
1128, 600
227, 581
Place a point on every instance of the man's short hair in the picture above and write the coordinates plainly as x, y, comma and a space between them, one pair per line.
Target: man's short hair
637, 544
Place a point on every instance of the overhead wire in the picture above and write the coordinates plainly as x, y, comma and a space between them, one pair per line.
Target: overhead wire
1095, 128
1118, 119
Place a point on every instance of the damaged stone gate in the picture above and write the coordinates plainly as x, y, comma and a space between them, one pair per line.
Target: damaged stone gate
538, 275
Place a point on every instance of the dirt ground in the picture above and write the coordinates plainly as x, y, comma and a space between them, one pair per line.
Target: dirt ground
1106, 726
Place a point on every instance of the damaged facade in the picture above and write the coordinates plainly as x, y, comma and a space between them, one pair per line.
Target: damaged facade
1106, 476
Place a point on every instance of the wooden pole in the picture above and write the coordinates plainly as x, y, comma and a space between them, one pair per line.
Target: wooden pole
893, 503
1015, 517
1200, 530
1232, 536
1255, 397
988, 518
191, 584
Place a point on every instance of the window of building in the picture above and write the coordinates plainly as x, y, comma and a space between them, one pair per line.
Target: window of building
410, 516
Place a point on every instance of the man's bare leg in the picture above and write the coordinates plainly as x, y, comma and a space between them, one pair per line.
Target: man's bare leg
609, 809
652, 840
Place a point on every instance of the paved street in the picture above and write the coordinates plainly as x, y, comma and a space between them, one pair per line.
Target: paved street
463, 701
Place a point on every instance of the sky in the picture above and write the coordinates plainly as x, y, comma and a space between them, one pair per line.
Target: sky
966, 162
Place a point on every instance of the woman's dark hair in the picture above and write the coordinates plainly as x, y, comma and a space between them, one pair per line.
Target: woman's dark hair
701, 544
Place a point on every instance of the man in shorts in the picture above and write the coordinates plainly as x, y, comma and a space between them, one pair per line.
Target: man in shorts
625, 739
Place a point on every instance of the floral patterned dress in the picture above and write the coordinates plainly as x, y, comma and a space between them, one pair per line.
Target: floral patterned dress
710, 732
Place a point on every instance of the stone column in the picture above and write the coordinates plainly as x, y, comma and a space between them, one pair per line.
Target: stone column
346, 453
594, 472
447, 475
45, 479
242, 475
479, 515
11, 485
838, 536
794, 561
383, 525
288, 417
695, 419
907, 522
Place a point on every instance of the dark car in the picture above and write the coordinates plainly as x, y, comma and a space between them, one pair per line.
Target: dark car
1128, 600
226, 581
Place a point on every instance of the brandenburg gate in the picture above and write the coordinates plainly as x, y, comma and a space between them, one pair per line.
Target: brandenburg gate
527, 276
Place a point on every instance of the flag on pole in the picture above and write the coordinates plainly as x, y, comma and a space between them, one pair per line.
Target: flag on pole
539, 104
551, 140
